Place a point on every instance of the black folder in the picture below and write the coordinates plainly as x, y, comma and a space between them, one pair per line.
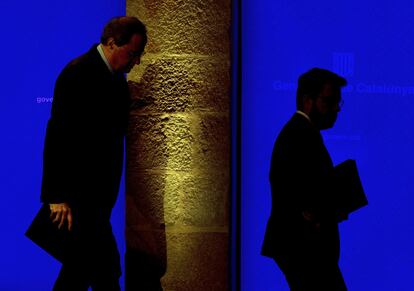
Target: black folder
351, 195
46, 234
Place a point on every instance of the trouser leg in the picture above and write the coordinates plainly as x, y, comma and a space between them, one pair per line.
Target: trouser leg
303, 275
106, 269
71, 278
143, 272
94, 260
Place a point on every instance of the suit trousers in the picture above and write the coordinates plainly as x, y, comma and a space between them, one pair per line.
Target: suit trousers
303, 275
94, 259
311, 264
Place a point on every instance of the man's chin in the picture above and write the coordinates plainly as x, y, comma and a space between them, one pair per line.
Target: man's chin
328, 125
325, 124
128, 69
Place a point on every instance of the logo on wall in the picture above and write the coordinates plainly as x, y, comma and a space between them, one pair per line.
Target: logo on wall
343, 64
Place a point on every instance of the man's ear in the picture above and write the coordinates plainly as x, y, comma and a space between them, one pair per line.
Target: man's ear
111, 43
307, 103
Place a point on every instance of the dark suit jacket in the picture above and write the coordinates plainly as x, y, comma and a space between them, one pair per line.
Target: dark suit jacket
84, 144
301, 180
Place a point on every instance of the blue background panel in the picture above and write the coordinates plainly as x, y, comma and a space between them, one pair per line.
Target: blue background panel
371, 44
38, 39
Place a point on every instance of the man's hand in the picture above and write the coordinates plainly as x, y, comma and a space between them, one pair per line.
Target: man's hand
60, 213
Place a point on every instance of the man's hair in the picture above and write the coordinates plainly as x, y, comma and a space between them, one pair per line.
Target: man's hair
122, 28
312, 82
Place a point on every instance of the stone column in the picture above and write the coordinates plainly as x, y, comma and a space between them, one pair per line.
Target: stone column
178, 145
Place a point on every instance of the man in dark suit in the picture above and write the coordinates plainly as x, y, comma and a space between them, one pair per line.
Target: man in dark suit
84, 152
302, 232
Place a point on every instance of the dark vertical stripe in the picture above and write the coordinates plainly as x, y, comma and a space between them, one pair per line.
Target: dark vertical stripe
235, 250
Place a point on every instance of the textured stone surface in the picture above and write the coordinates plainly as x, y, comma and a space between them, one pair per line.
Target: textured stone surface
157, 196
145, 200
178, 143
195, 199
212, 150
176, 84
185, 27
196, 261
205, 199
150, 242
159, 142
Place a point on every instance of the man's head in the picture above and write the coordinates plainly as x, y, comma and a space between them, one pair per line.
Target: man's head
124, 39
319, 96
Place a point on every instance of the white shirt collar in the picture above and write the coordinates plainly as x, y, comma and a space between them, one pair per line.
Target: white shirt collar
101, 52
303, 114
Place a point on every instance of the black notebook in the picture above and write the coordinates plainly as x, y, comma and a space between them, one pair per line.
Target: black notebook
351, 195
46, 234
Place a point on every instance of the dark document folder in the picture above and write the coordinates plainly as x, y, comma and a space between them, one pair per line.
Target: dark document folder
46, 234
351, 195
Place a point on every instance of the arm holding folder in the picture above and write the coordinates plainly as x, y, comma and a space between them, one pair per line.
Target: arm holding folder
350, 193
46, 234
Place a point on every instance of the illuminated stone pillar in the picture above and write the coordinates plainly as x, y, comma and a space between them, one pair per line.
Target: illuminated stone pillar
178, 149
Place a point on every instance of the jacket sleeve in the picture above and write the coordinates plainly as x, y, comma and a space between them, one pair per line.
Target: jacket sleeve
60, 148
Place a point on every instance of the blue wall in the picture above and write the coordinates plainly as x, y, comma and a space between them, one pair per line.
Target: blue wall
38, 39
371, 43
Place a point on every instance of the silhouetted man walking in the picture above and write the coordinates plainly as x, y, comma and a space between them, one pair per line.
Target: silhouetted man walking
302, 232
83, 154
